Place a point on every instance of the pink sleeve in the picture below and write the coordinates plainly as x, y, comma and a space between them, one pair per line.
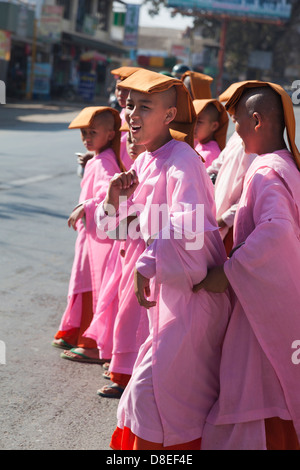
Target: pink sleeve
104, 171
146, 264
264, 275
229, 215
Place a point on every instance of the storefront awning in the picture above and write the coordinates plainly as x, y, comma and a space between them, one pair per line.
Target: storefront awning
93, 56
101, 46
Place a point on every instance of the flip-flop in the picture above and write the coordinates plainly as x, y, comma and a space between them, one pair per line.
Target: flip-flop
111, 391
77, 356
62, 344
106, 374
105, 365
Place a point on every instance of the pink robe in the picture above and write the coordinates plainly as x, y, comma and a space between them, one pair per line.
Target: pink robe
102, 325
90, 256
186, 329
123, 148
132, 324
209, 151
258, 377
119, 325
230, 168
123, 151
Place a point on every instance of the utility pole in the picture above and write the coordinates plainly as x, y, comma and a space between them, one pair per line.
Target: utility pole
33, 59
221, 56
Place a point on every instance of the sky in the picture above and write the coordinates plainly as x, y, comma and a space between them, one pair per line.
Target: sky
164, 18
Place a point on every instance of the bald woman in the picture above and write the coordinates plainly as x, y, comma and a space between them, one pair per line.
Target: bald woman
258, 407
156, 410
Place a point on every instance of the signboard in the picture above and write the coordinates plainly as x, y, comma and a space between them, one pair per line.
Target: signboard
90, 24
5, 43
275, 9
131, 30
50, 25
260, 60
22, 20
41, 79
182, 53
87, 86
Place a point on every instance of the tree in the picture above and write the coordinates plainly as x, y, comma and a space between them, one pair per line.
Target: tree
247, 36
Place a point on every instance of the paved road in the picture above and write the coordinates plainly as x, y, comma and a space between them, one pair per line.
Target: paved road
46, 402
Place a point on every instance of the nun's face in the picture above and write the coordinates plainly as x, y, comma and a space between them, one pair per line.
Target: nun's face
148, 117
121, 94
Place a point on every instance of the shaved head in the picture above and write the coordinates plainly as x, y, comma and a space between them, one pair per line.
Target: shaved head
266, 102
259, 120
169, 97
212, 112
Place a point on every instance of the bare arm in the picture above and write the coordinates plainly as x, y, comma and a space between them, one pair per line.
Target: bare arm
215, 281
142, 290
77, 214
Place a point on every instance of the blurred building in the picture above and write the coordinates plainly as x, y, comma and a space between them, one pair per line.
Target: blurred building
162, 48
74, 44
69, 42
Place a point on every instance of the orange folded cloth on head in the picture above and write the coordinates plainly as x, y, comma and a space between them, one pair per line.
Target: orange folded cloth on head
146, 81
123, 72
199, 83
221, 133
85, 119
234, 92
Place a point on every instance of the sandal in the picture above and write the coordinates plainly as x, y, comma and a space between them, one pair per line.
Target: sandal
77, 356
62, 344
111, 391
106, 374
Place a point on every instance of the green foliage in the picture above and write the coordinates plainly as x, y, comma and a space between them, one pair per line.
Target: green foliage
246, 36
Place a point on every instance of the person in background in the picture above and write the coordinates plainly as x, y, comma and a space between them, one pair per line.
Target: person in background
100, 133
198, 84
227, 172
210, 130
131, 326
178, 70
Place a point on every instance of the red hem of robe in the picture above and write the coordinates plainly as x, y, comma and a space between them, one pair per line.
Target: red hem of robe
124, 439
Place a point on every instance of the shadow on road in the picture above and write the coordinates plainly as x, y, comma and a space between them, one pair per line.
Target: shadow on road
10, 210
48, 116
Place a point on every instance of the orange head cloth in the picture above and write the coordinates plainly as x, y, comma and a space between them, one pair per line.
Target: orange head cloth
124, 127
229, 91
199, 83
146, 81
221, 133
235, 91
123, 72
85, 119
